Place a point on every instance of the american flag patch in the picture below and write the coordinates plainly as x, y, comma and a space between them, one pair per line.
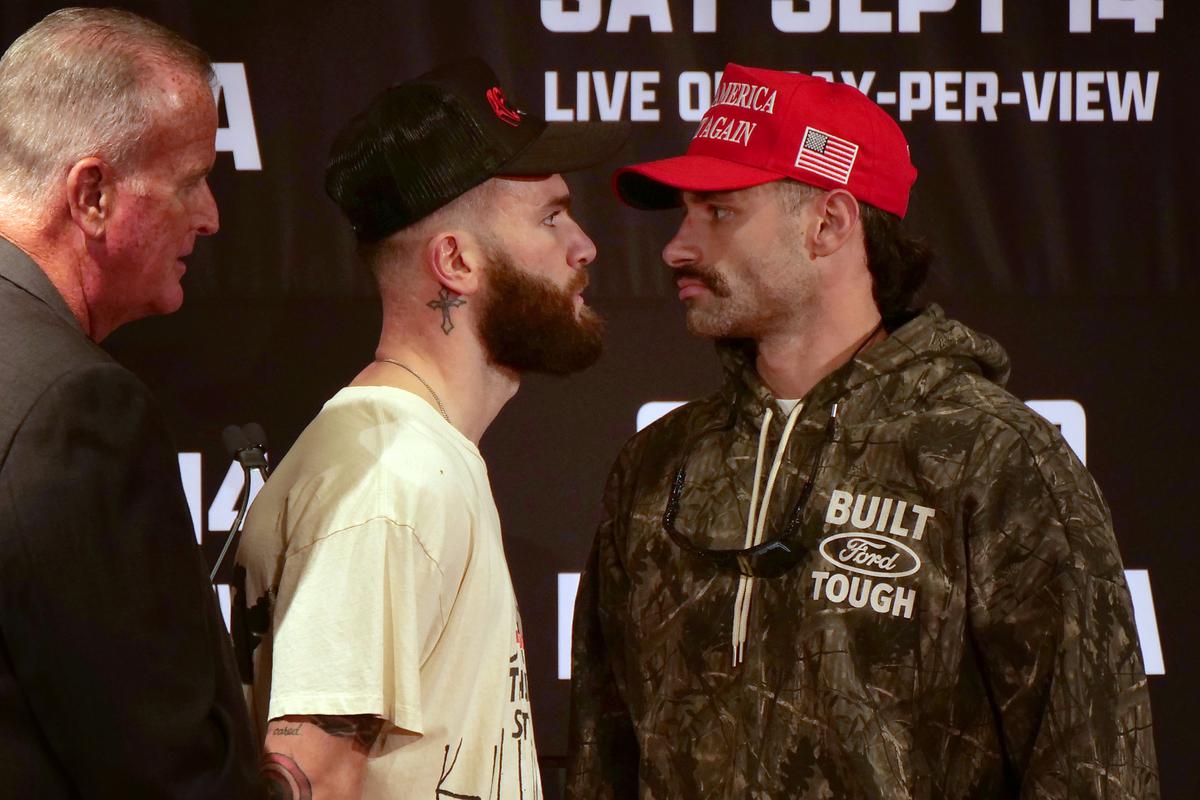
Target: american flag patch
826, 154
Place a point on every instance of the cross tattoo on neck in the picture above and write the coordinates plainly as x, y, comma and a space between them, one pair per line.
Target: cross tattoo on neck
445, 302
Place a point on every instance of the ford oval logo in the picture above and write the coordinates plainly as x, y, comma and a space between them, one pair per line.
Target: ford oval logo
870, 554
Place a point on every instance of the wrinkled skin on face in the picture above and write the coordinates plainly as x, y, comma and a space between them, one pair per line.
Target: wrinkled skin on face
160, 203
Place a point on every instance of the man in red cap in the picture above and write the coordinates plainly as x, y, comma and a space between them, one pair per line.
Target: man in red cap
860, 568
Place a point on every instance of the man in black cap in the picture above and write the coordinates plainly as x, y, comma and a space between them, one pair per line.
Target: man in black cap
376, 621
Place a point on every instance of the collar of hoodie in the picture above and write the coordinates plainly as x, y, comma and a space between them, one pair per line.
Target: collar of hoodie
926, 341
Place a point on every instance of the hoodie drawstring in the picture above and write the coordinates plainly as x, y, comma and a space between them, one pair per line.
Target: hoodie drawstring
757, 521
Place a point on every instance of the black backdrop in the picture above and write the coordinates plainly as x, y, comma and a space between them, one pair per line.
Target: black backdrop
1065, 227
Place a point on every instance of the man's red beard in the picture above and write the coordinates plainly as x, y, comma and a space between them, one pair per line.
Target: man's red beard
530, 325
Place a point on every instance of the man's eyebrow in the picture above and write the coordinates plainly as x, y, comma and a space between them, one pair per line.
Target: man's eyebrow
558, 201
708, 197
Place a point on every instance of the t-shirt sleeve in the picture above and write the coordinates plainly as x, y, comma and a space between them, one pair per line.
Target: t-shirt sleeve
355, 616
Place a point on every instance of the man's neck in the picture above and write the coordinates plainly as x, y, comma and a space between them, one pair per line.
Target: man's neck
451, 373
791, 363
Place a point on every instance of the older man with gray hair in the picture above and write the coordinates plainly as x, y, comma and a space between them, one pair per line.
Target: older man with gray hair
116, 675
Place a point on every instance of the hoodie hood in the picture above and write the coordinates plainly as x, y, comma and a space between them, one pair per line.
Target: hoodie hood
917, 356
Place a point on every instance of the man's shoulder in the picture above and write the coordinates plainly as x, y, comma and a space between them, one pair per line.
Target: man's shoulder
44, 361
672, 430
655, 449
989, 406
385, 432
1006, 430
37, 346
350, 466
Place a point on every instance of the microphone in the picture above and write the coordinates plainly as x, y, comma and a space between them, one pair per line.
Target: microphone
234, 439
247, 445
255, 433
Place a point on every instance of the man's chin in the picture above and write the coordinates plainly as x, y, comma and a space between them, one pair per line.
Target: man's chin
587, 317
704, 325
562, 353
534, 339
170, 301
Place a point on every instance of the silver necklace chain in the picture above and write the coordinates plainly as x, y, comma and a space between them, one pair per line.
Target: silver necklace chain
425, 383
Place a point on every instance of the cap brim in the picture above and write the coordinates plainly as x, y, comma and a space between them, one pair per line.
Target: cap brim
566, 147
657, 184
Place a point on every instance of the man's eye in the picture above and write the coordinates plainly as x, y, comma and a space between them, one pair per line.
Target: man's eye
718, 212
551, 219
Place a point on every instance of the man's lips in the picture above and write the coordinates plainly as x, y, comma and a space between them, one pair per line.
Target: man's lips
691, 286
576, 288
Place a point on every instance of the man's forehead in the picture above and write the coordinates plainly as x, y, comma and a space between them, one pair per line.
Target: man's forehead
175, 84
183, 115
535, 189
184, 111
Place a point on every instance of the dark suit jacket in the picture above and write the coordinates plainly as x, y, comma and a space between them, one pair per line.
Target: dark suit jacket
116, 674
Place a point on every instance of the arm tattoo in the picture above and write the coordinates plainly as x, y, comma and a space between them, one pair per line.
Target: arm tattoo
362, 728
445, 302
284, 778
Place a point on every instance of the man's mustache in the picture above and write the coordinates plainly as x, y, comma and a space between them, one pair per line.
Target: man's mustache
578, 283
712, 280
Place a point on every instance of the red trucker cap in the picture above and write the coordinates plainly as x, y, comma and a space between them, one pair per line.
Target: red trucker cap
764, 125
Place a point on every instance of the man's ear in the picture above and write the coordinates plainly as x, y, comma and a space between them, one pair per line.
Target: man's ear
837, 218
455, 260
91, 195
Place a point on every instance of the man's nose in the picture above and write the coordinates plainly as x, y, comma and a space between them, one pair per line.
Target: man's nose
682, 250
209, 221
583, 251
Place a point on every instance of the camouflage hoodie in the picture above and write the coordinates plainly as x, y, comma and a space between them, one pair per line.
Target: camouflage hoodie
958, 626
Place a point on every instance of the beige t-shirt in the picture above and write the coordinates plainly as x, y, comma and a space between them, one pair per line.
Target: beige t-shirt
374, 551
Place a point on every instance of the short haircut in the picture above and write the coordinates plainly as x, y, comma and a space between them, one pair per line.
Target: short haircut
387, 257
78, 84
898, 261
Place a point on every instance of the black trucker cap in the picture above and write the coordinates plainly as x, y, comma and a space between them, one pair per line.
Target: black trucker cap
424, 142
